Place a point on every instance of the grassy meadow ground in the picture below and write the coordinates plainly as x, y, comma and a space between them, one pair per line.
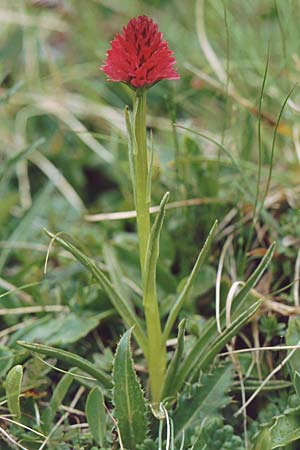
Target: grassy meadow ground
226, 146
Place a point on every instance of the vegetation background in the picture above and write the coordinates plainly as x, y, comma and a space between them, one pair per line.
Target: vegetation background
63, 153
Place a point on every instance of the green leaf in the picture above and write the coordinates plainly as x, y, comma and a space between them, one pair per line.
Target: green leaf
240, 305
190, 282
6, 360
120, 304
149, 276
64, 329
286, 429
130, 406
156, 352
115, 272
292, 337
58, 395
239, 299
203, 400
296, 382
132, 146
175, 361
72, 359
199, 358
96, 416
263, 441
240, 302
13, 390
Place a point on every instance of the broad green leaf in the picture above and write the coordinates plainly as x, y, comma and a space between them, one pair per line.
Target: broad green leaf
286, 429
72, 359
120, 304
292, 337
204, 399
13, 390
96, 415
62, 330
189, 283
130, 406
263, 441
175, 361
199, 358
57, 398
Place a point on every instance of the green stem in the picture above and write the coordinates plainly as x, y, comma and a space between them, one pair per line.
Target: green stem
142, 202
156, 352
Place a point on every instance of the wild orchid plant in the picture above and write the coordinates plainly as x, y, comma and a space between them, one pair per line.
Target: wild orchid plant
140, 58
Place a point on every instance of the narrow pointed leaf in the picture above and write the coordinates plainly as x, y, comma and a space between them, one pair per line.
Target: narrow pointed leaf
200, 359
72, 359
156, 350
190, 282
130, 406
132, 147
175, 361
115, 272
149, 278
149, 177
254, 278
13, 390
96, 415
120, 304
241, 304
57, 398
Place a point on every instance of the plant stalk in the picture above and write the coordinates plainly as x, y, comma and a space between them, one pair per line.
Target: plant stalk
142, 202
156, 352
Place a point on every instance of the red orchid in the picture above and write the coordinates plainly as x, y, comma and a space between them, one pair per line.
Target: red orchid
139, 56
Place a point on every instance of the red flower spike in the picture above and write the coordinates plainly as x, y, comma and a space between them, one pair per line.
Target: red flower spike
139, 56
